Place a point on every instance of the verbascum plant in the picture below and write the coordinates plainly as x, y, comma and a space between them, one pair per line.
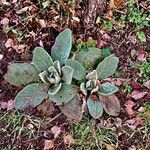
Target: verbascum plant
46, 76
101, 96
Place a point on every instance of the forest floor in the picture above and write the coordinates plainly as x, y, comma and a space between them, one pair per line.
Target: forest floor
122, 28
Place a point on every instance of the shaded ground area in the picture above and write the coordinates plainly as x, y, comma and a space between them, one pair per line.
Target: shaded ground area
121, 27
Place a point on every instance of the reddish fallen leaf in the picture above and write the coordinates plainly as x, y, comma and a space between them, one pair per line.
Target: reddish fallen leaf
48, 144
129, 105
56, 131
101, 43
10, 104
9, 43
135, 85
68, 139
141, 57
138, 94
106, 37
5, 21
3, 105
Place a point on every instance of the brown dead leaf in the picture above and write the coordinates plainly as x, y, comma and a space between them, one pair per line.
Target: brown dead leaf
110, 147
68, 139
46, 108
111, 104
56, 131
73, 109
138, 94
48, 144
129, 105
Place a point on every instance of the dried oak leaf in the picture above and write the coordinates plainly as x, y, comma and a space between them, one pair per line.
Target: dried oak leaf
68, 139
129, 105
48, 144
56, 131
138, 94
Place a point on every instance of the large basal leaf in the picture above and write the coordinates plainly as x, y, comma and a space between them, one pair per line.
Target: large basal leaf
107, 67
67, 74
64, 95
107, 89
95, 107
88, 57
111, 104
32, 95
62, 47
21, 74
73, 109
79, 70
41, 59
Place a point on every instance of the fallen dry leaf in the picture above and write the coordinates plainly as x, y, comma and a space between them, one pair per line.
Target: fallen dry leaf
48, 144
5, 21
129, 105
10, 104
147, 84
141, 57
42, 23
56, 131
9, 43
46, 108
68, 139
138, 94
110, 147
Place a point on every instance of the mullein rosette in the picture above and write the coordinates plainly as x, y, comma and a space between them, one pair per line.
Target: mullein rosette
104, 93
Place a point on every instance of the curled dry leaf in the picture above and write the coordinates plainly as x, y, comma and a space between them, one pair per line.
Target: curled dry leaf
138, 94
56, 131
68, 139
48, 144
129, 105
10, 104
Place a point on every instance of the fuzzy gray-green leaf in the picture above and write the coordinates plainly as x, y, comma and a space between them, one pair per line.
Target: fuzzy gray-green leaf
67, 72
54, 89
107, 67
41, 59
92, 75
95, 108
79, 70
21, 74
64, 95
88, 57
62, 47
107, 89
32, 95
